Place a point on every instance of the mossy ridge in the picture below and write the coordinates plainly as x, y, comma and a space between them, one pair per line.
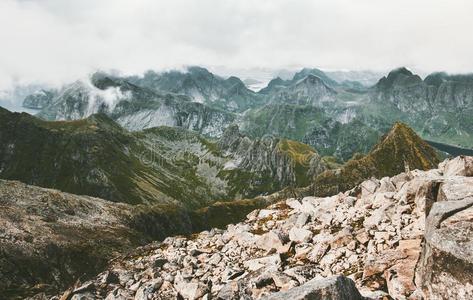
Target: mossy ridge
399, 149
301, 156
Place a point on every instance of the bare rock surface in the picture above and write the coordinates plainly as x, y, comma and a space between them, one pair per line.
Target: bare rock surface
405, 237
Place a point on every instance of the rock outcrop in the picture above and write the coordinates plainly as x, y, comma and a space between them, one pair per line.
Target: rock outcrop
404, 237
39, 99
446, 267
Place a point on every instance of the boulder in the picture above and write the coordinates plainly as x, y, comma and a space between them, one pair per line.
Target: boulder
445, 269
148, 289
300, 235
459, 166
272, 240
258, 263
454, 189
394, 267
369, 187
336, 287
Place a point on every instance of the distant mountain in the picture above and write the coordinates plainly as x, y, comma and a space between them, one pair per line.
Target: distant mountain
163, 165
251, 81
337, 116
12, 98
315, 72
39, 99
202, 86
366, 78
133, 106
437, 107
308, 90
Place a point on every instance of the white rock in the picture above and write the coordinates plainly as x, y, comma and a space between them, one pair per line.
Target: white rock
258, 263
300, 235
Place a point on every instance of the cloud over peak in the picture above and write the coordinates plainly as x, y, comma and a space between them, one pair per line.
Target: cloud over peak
60, 40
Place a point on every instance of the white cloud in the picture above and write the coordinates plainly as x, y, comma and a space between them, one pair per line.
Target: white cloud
55, 41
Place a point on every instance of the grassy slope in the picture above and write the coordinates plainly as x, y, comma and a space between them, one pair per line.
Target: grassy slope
401, 147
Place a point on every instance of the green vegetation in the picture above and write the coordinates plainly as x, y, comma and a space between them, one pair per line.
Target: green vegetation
161, 165
399, 150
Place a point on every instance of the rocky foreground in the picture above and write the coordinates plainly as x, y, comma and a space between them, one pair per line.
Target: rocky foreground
405, 237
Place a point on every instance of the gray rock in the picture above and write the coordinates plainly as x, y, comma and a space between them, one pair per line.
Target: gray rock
300, 235
333, 288
302, 219
191, 290
146, 290
230, 291
459, 166
445, 270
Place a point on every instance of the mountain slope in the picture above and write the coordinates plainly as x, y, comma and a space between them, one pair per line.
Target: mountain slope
50, 238
402, 237
400, 149
97, 157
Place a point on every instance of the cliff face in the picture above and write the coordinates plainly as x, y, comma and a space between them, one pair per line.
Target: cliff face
301, 248
271, 163
437, 107
437, 93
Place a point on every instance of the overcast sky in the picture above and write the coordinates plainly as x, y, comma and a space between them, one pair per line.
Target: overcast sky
59, 40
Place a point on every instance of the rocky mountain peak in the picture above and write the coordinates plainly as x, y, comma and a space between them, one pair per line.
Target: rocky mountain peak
398, 77
411, 151
39, 99
273, 85
317, 72
311, 80
399, 150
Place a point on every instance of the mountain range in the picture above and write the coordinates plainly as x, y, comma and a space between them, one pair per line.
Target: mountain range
115, 162
338, 118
